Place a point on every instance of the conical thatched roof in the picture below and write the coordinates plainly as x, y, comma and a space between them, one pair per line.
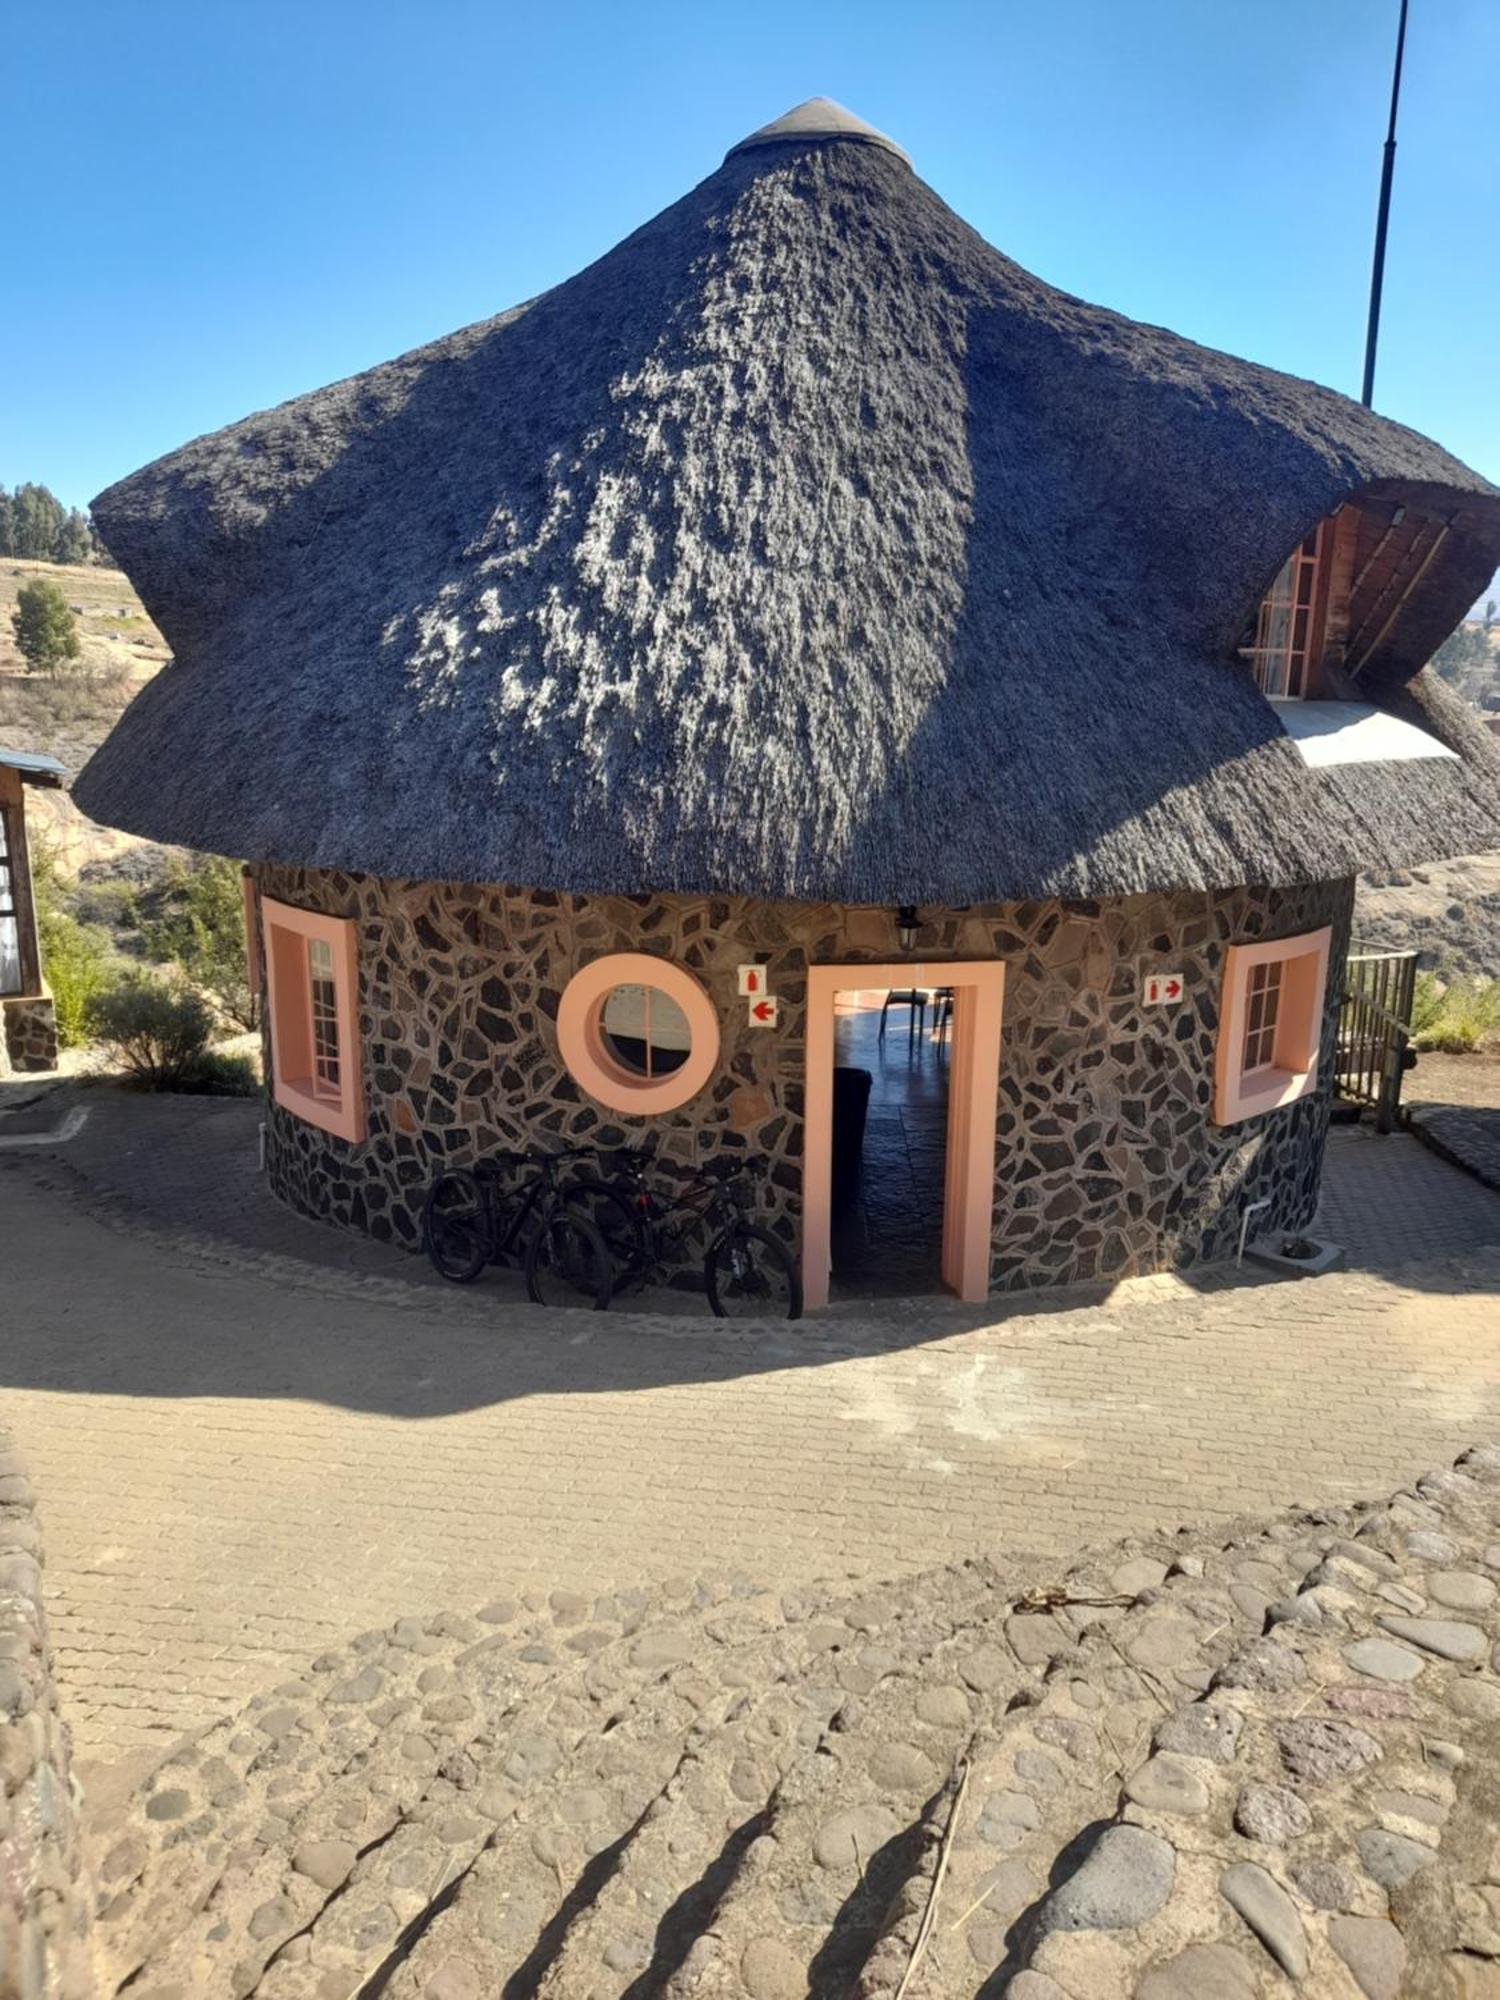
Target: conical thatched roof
803, 546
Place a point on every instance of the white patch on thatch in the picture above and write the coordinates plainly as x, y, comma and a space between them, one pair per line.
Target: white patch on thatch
1353, 732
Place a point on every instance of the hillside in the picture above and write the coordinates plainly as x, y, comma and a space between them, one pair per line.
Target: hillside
1448, 911
69, 716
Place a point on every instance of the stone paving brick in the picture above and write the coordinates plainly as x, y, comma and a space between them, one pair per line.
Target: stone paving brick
1388, 1201
247, 1459
1468, 1135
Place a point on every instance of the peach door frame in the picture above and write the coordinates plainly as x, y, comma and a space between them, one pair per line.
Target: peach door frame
973, 1102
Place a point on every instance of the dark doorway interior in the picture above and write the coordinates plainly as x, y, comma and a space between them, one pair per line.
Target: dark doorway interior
890, 1129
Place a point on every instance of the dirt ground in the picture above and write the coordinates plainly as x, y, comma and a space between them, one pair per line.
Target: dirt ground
1441, 1079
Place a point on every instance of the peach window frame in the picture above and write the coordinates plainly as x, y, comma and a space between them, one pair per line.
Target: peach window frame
1299, 664
1293, 1071
288, 932
580, 1034
973, 1107
250, 898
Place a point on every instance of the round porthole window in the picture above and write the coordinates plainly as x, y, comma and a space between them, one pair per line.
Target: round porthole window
645, 1031
638, 1033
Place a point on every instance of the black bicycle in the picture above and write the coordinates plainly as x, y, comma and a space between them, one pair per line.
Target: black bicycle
746, 1272
481, 1215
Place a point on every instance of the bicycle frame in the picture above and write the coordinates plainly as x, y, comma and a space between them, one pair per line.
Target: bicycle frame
518, 1206
704, 1203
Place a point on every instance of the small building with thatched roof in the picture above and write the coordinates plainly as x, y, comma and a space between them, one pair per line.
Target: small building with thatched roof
28, 1018
805, 597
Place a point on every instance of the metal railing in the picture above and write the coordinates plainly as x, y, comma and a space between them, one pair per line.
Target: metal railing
1374, 1030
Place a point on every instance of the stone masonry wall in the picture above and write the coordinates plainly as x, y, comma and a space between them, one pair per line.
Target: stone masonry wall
30, 1031
1107, 1162
46, 1899
1107, 1159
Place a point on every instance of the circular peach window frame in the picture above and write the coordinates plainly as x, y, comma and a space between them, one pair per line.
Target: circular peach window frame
580, 1033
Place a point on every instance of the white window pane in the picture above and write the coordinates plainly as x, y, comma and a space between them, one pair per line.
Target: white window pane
645, 1030
325, 1019
10, 955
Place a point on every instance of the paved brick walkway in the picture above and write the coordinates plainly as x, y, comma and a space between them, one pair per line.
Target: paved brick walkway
1466, 1134
242, 1464
1391, 1202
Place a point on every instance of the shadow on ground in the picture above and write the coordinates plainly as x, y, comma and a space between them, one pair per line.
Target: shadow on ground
145, 1258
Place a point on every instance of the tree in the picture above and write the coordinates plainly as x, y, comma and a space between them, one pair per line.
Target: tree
74, 542
35, 526
39, 521
202, 929
45, 628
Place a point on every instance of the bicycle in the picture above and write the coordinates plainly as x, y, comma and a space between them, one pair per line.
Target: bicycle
747, 1273
470, 1220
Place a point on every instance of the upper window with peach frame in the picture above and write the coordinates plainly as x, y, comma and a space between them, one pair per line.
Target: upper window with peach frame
639, 1033
1288, 642
312, 993
1270, 1024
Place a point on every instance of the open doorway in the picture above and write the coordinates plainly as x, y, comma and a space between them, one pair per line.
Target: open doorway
902, 1075
889, 1139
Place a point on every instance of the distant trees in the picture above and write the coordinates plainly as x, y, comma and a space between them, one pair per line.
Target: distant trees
45, 628
35, 526
1467, 662
202, 929
75, 540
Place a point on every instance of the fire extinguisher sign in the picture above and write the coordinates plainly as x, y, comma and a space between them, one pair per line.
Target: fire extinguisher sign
1162, 989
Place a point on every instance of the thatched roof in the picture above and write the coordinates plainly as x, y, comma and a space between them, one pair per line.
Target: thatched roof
803, 545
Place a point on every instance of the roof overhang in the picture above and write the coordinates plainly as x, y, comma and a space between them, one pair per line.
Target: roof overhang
34, 766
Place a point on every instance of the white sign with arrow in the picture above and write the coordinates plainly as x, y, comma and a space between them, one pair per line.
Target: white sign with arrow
764, 1013
1163, 989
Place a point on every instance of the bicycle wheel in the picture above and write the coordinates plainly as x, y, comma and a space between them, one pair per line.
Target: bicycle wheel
626, 1232
567, 1263
750, 1276
456, 1226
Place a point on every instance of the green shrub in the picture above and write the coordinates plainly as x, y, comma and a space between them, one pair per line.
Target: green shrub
202, 929
1426, 1006
77, 958
218, 1074
110, 904
1455, 1018
77, 964
157, 1029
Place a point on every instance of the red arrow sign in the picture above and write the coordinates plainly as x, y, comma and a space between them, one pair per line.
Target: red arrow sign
763, 1010
1174, 987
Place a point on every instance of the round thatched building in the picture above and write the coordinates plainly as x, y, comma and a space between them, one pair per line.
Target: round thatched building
805, 587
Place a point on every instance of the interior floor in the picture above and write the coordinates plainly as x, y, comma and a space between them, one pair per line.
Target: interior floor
887, 1215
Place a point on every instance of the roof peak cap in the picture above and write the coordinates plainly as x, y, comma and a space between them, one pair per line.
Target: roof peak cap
818, 118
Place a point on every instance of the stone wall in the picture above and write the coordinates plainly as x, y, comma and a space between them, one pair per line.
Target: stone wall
46, 1899
1107, 1161
30, 1026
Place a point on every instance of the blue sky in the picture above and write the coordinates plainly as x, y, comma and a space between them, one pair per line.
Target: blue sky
215, 206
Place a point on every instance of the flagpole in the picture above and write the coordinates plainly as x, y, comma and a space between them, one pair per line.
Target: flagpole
1382, 218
